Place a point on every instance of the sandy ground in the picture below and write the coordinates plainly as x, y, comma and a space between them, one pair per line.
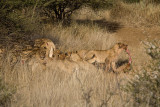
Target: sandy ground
134, 38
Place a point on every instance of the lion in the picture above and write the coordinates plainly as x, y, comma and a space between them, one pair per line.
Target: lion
59, 55
107, 57
43, 48
26, 55
45, 44
73, 56
1, 51
82, 53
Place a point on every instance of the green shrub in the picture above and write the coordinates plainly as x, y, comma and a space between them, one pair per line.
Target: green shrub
153, 49
19, 16
145, 87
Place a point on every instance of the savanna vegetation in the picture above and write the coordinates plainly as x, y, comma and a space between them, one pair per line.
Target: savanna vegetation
74, 25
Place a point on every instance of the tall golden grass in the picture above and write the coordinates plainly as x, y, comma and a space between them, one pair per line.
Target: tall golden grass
61, 85
76, 37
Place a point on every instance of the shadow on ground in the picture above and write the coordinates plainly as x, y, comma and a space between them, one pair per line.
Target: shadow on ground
121, 62
107, 25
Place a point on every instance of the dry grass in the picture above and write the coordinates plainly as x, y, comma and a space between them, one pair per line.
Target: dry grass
76, 37
136, 14
59, 85
87, 13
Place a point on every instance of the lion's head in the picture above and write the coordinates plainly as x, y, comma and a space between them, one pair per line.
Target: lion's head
122, 46
47, 44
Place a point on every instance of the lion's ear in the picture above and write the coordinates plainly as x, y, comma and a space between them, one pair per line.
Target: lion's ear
68, 53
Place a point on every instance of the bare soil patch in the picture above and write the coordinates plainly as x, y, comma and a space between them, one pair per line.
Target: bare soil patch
134, 37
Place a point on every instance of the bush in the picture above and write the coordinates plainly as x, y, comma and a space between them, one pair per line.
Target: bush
19, 17
29, 16
63, 9
145, 87
153, 49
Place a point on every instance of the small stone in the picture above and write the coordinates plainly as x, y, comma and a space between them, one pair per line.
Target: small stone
153, 46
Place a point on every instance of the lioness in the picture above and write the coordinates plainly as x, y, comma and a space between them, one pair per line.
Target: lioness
107, 57
68, 55
43, 49
46, 44
73, 56
82, 53
59, 55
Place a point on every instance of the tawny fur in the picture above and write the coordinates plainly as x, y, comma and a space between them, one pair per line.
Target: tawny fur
82, 53
73, 56
59, 55
47, 44
108, 57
